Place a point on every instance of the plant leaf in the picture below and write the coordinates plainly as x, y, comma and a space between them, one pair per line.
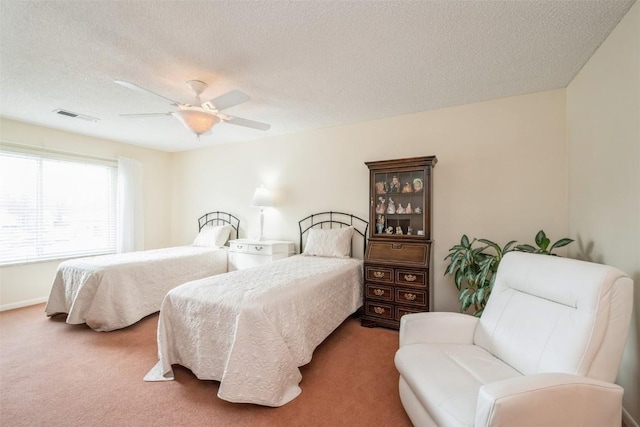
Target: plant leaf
489, 243
458, 279
560, 243
507, 247
544, 245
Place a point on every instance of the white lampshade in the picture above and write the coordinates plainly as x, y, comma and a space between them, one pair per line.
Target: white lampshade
196, 120
261, 198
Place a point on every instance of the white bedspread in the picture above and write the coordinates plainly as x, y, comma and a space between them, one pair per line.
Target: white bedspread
114, 291
251, 329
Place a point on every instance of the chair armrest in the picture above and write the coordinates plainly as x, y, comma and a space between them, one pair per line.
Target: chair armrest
549, 399
437, 327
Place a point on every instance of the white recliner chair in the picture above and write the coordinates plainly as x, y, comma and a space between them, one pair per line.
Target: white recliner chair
545, 352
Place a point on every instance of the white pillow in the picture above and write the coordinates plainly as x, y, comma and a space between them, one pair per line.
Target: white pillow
213, 236
334, 242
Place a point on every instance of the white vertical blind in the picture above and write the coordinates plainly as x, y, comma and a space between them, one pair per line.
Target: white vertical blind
55, 207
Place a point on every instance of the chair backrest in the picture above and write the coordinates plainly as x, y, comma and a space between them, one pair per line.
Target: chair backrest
552, 314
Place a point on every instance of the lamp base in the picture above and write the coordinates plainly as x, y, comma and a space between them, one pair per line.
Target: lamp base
261, 238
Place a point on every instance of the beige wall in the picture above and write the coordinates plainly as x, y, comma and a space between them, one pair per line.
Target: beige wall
501, 174
31, 283
603, 118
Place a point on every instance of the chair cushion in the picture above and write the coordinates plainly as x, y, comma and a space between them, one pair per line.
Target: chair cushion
446, 378
551, 314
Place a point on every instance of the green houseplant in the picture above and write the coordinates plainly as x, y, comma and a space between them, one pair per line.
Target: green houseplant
474, 263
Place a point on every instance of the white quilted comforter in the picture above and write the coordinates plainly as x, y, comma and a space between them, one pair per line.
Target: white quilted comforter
114, 291
251, 329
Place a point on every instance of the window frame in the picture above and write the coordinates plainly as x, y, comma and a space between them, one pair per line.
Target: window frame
43, 155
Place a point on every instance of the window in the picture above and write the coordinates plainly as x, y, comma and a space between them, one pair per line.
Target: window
55, 206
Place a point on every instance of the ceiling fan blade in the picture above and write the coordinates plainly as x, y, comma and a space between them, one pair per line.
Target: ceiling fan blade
227, 100
133, 116
135, 87
247, 123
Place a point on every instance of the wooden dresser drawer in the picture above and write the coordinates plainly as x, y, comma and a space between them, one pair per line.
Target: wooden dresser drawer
379, 274
411, 297
375, 291
375, 309
409, 254
401, 311
411, 278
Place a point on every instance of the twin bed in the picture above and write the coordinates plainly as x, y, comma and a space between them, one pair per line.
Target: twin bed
252, 329
110, 292
249, 329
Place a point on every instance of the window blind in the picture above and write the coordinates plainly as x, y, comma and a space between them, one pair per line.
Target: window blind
55, 206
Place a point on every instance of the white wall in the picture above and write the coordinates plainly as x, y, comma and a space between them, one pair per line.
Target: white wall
603, 118
501, 175
31, 283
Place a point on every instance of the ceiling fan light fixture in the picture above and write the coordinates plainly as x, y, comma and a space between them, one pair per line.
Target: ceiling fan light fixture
197, 121
201, 116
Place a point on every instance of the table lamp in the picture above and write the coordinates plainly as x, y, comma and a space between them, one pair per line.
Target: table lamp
262, 199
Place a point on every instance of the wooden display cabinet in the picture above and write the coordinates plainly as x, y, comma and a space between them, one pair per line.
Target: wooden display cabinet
397, 261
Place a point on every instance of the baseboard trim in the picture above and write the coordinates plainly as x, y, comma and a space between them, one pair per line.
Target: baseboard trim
627, 420
26, 303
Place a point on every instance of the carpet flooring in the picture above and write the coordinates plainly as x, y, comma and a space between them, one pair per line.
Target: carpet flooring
52, 373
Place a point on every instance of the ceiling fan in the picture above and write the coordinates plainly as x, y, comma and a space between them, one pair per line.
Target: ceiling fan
200, 117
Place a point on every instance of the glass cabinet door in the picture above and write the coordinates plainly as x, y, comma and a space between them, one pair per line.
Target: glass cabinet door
399, 203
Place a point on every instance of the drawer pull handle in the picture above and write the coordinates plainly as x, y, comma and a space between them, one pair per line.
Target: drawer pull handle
378, 310
240, 246
258, 248
396, 246
378, 274
410, 297
378, 292
409, 277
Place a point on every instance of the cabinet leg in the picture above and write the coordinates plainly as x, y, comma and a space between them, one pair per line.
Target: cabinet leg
368, 323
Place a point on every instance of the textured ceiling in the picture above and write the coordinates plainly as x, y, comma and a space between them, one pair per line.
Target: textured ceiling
305, 64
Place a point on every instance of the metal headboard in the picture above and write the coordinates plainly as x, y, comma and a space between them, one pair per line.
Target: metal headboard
334, 220
220, 218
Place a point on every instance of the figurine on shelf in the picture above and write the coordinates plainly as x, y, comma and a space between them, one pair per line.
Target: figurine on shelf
395, 185
389, 230
391, 209
381, 207
408, 209
381, 187
398, 230
417, 185
409, 230
417, 210
400, 209
380, 224
407, 188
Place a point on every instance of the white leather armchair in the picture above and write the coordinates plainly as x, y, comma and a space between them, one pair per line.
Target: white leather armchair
545, 352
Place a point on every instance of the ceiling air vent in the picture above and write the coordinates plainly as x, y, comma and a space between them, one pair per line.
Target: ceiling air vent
75, 115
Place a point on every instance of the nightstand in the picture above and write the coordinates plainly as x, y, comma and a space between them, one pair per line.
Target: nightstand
246, 253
